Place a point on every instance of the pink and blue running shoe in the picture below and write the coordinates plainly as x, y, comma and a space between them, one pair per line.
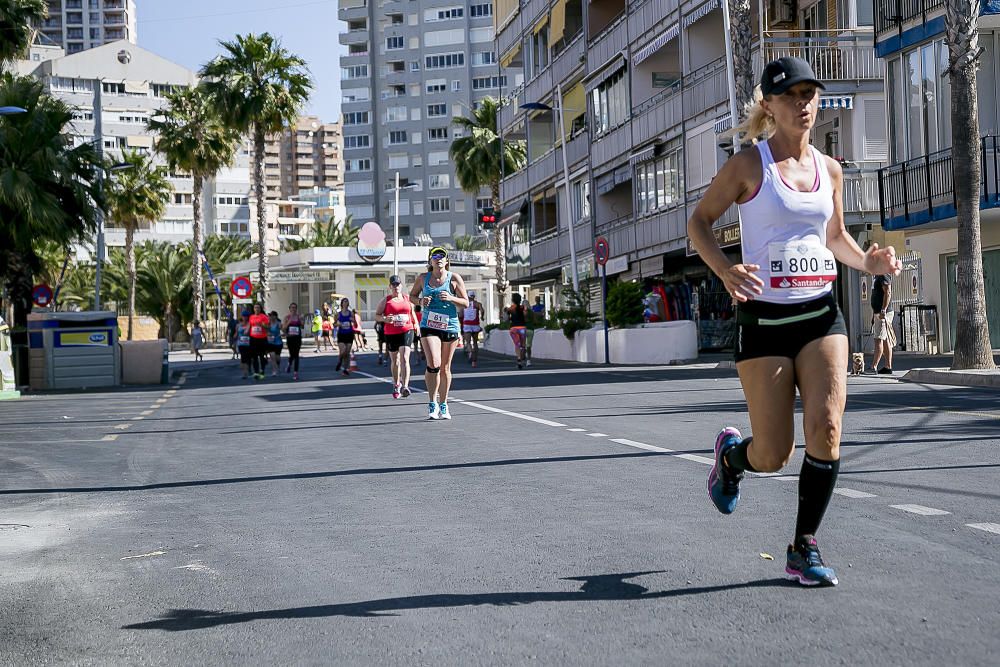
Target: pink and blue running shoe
805, 565
723, 482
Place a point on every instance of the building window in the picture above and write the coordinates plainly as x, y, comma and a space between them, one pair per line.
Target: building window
439, 204
581, 199
445, 60
439, 181
354, 72
610, 103
437, 110
484, 58
443, 14
395, 114
659, 183
357, 141
397, 137
392, 43
356, 118
437, 86
487, 82
478, 11
360, 164
437, 134
484, 202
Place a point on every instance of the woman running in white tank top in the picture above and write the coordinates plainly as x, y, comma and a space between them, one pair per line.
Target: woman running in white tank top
790, 333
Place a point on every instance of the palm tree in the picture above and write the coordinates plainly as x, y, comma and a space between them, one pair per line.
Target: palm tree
481, 158
469, 242
258, 87
740, 27
136, 195
194, 139
18, 19
326, 234
48, 189
972, 333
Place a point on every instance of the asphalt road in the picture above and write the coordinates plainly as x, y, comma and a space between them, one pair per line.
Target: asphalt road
216, 521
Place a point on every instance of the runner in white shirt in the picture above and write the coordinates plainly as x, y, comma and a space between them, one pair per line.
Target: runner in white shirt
790, 333
472, 325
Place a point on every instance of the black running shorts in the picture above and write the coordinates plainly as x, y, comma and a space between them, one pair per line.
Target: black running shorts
782, 330
445, 336
345, 338
398, 340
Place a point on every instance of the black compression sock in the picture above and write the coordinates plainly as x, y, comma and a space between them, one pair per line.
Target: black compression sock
816, 482
737, 458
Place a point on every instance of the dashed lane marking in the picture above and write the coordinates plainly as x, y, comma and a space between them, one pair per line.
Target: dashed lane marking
576, 430
161, 401
598, 435
988, 527
122, 427
920, 509
853, 493
109, 438
146, 413
137, 419
517, 415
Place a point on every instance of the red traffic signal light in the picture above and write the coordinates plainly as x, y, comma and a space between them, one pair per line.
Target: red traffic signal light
487, 217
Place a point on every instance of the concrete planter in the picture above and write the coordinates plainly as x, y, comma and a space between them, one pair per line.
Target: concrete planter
657, 343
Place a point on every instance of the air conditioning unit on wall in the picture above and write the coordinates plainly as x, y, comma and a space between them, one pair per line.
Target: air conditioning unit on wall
781, 13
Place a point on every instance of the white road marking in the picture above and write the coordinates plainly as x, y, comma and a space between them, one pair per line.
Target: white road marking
161, 401
598, 435
153, 407
640, 445
137, 419
697, 459
170, 392
109, 438
517, 415
151, 553
853, 493
920, 509
988, 527
122, 427
576, 430
146, 413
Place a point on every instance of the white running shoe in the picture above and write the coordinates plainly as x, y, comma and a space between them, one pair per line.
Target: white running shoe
528, 363
433, 412
443, 411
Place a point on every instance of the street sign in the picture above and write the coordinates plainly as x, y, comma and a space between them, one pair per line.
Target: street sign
41, 295
602, 250
241, 288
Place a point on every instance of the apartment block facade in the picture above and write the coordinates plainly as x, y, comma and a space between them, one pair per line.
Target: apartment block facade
77, 25
411, 67
122, 85
917, 189
304, 157
646, 126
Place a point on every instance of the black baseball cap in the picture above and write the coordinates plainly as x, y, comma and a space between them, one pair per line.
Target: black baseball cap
394, 280
781, 74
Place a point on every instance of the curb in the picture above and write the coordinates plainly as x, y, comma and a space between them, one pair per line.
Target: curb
987, 379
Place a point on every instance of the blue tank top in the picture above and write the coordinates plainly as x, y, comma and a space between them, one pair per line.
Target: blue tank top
274, 334
345, 322
439, 315
242, 336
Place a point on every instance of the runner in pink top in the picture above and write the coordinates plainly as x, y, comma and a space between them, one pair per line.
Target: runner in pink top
396, 313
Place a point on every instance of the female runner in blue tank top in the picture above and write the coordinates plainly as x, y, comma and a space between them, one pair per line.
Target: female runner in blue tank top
442, 295
790, 333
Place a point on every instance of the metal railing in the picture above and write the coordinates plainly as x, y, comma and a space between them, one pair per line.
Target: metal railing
923, 185
860, 190
890, 14
842, 57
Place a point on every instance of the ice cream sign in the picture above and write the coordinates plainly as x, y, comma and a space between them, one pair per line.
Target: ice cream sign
371, 242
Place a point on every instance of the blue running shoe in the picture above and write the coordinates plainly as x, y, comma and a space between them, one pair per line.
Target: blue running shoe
443, 412
805, 565
724, 483
433, 411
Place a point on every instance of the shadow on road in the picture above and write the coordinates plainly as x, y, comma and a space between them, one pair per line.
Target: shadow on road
596, 588
329, 473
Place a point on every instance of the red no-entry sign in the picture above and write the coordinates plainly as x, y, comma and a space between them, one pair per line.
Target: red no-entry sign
41, 295
241, 288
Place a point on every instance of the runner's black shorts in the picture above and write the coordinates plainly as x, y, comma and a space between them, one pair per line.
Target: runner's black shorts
346, 338
274, 348
783, 329
445, 336
245, 354
380, 332
398, 340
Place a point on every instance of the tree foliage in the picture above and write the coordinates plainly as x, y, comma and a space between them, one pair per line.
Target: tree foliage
17, 21
326, 234
624, 304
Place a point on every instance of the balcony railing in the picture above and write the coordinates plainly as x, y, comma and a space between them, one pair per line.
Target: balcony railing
833, 57
891, 13
923, 189
860, 190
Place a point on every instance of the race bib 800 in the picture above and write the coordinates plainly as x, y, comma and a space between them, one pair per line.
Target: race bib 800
801, 264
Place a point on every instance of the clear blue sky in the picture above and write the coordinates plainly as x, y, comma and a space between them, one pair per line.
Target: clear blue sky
188, 33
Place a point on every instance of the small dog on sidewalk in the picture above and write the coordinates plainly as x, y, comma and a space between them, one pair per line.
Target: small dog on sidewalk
857, 363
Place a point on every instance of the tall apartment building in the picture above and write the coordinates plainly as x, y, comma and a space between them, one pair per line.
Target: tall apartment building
123, 84
411, 68
303, 158
77, 25
646, 124
917, 190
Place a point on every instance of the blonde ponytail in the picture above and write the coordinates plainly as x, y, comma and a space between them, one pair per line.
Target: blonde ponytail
758, 122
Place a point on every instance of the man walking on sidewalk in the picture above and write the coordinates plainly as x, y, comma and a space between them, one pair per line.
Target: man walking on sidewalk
882, 331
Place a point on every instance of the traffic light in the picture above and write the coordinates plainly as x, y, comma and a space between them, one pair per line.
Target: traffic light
488, 218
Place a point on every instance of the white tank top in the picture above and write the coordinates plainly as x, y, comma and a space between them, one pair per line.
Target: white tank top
784, 231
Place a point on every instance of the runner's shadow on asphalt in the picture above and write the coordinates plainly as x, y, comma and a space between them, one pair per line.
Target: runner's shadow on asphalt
595, 588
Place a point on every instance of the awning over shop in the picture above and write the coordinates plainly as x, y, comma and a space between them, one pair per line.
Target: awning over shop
836, 102
139, 141
657, 44
137, 87
558, 21
641, 155
701, 12
509, 57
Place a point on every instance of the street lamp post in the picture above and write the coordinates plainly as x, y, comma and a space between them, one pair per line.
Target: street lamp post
395, 227
539, 106
99, 149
